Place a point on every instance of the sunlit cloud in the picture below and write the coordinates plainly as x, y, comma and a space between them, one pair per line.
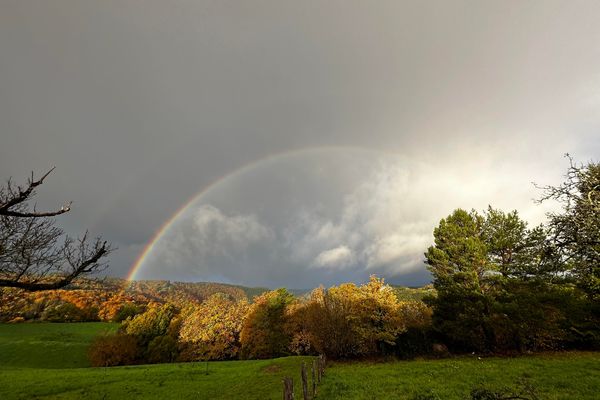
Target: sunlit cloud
337, 258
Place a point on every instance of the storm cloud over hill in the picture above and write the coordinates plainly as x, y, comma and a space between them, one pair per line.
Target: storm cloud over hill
328, 138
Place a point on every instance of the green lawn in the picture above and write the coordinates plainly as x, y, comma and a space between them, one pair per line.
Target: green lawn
555, 376
48, 345
47, 361
225, 380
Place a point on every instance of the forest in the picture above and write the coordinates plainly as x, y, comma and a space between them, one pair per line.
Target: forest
499, 286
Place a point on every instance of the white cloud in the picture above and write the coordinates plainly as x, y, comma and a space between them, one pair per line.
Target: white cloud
386, 221
337, 258
396, 249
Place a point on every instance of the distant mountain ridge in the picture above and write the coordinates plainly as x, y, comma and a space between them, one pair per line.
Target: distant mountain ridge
93, 299
101, 299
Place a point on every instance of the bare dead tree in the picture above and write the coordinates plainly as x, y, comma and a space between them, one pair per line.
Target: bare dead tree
35, 254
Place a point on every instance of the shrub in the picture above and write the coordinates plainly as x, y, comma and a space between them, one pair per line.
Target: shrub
162, 349
127, 310
64, 311
112, 350
414, 342
523, 390
418, 339
153, 322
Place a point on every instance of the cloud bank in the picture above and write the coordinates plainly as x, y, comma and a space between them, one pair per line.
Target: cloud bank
140, 105
305, 231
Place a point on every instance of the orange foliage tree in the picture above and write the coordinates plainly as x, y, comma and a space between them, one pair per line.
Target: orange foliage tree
154, 322
212, 330
350, 320
264, 333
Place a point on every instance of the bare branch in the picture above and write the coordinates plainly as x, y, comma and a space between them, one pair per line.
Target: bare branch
34, 253
20, 196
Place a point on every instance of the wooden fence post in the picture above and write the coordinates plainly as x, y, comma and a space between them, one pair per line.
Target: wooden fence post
314, 378
320, 369
288, 388
304, 382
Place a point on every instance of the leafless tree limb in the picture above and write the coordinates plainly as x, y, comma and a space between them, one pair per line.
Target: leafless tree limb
34, 253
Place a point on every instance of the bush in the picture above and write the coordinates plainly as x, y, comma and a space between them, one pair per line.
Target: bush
162, 349
523, 390
414, 342
113, 350
152, 323
64, 311
127, 310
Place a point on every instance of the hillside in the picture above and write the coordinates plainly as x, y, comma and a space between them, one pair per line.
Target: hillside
61, 371
92, 300
88, 300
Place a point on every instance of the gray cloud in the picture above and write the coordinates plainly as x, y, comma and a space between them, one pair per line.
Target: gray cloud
142, 105
321, 216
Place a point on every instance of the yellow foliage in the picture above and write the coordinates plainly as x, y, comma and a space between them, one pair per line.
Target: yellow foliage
212, 330
264, 332
350, 320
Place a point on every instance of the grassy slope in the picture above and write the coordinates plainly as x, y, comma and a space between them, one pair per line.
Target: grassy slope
47, 345
44, 361
225, 380
555, 376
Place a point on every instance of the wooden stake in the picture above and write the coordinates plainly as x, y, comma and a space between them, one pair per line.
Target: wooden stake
288, 388
304, 382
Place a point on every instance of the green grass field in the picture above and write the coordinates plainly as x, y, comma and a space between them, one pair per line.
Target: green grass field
225, 380
48, 361
48, 345
555, 376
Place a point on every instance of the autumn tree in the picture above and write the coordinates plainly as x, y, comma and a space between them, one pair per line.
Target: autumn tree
297, 327
263, 334
154, 322
35, 254
349, 320
212, 330
114, 349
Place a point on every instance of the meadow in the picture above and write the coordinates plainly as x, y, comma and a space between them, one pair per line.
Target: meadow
569, 375
48, 361
48, 345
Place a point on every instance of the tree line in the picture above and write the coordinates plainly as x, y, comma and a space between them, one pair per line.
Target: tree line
500, 286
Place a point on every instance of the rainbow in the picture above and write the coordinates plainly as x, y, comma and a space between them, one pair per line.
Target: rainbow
137, 265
